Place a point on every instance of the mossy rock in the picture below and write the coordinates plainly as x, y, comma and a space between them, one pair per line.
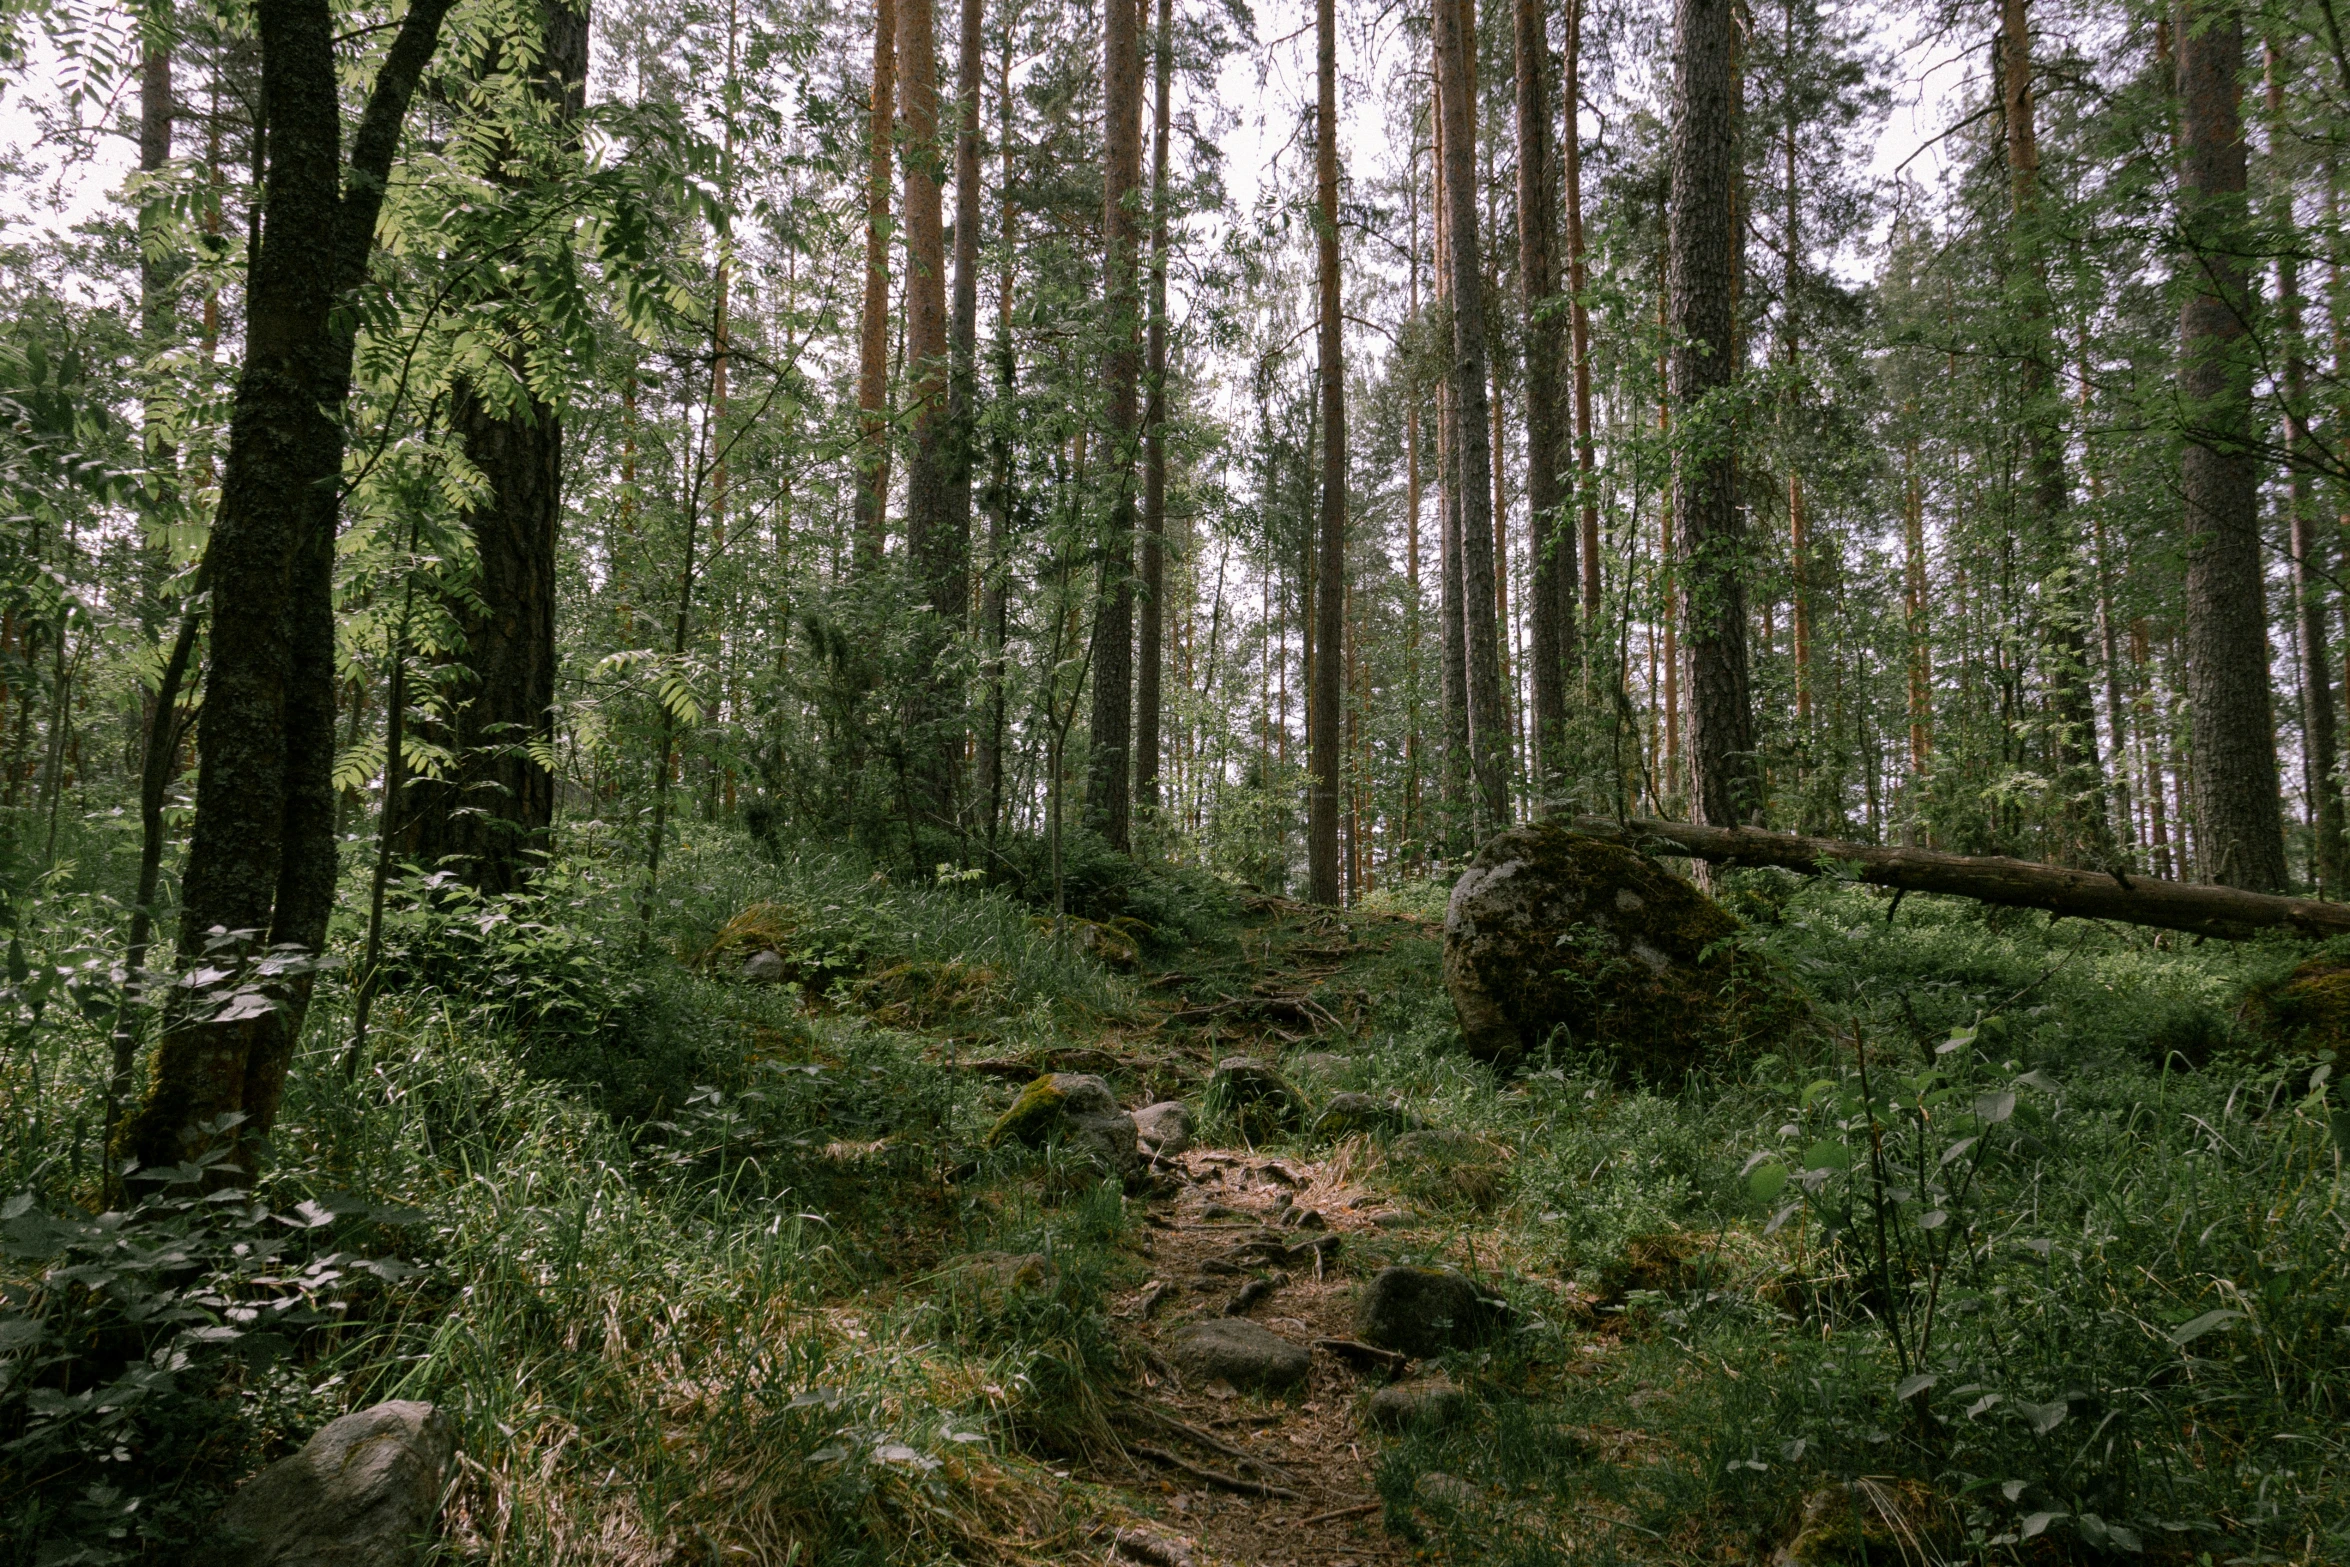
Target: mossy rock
1556, 936
1257, 1098
1077, 1109
2308, 1010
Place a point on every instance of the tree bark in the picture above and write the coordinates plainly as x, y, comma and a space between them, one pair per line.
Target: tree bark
1322, 864
2084, 832
2107, 895
1586, 455
994, 595
940, 550
963, 327
873, 319
1550, 520
488, 816
261, 863
1154, 421
2240, 833
2313, 562
1109, 775
1702, 278
1472, 455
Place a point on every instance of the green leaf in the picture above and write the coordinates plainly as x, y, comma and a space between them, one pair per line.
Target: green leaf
1827, 1154
2188, 1332
1994, 1108
1912, 1385
1767, 1181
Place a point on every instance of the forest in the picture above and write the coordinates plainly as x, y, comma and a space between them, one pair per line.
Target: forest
1159, 782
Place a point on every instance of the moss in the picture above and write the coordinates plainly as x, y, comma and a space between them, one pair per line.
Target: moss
1557, 938
1032, 1116
2308, 1009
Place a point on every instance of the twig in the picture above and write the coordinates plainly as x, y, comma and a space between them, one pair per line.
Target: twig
1335, 1513
1214, 1477
1355, 1349
1208, 1440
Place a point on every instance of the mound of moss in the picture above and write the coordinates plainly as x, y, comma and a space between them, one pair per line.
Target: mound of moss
2308, 1009
1555, 937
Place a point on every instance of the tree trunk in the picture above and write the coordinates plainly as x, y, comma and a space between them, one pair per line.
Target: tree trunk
1702, 278
2104, 895
2313, 564
1326, 723
873, 320
1154, 420
994, 597
488, 816
1550, 520
2240, 828
963, 328
1108, 781
1472, 498
1586, 455
261, 864
939, 549
2084, 832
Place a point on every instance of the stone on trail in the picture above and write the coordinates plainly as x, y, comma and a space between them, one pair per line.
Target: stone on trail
1445, 1493
1427, 1402
1558, 933
1240, 1352
1078, 1109
364, 1492
766, 967
1344, 1114
1256, 1095
1422, 1311
1165, 1128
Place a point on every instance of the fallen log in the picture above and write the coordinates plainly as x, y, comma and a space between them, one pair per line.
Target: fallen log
2226, 912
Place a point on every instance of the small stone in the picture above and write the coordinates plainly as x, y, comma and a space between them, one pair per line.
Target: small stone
1238, 1351
1254, 1093
1321, 1063
766, 968
1421, 1311
1445, 1493
1165, 1128
364, 1492
1347, 1113
1079, 1109
1437, 1145
1432, 1401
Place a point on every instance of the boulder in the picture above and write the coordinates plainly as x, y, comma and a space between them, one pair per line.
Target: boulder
1078, 1110
766, 967
1239, 1352
2307, 1010
1165, 1128
1426, 1402
1321, 1063
1554, 935
1255, 1095
364, 1492
1421, 1311
1445, 1493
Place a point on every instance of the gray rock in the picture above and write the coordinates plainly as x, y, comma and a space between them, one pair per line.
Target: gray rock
1165, 1128
1431, 1401
1347, 1113
1322, 1063
1241, 1353
1421, 1311
1078, 1109
1437, 1145
766, 968
1445, 1493
1256, 1095
364, 1492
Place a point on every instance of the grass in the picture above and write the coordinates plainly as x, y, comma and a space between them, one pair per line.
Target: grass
691, 1260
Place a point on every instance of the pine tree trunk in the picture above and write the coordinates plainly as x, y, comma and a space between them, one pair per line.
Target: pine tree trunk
261, 863
936, 539
1325, 722
2313, 562
1701, 286
1551, 522
994, 595
873, 320
2063, 612
1154, 419
1489, 723
1109, 774
2240, 824
1586, 454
